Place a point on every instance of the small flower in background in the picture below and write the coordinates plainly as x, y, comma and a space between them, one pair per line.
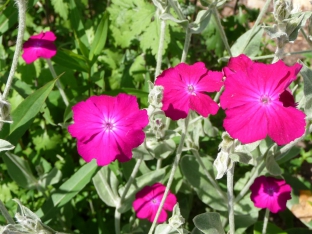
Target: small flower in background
108, 128
258, 103
271, 193
39, 46
185, 88
148, 200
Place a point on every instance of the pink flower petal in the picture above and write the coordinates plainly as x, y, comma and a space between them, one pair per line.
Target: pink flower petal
239, 63
203, 104
175, 104
212, 82
285, 123
247, 123
191, 74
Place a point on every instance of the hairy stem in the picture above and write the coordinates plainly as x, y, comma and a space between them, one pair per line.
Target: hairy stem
230, 186
221, 30
58, 83
21, 5
187, 41
123, 195
265, 221
173, 170
160, 47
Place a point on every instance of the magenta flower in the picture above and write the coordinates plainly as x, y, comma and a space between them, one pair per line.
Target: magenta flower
147, 202
185, 88
108, 128
258, 102
39, 46
271, 193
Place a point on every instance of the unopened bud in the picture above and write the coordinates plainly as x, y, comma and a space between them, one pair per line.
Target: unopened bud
155, 96
282, 10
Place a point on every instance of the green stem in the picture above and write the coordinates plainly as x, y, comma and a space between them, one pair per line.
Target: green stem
123, 195
265, 221
173, 170
58, 83
209, 177
160, 47
6, 214
187, 41
230, 187
260, 16
221, 30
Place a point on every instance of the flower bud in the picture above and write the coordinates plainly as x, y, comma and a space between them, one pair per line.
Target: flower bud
282, 10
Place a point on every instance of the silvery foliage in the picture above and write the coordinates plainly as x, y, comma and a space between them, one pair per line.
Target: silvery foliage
27, 222
232, 151
223, 162
289, 21
175, 223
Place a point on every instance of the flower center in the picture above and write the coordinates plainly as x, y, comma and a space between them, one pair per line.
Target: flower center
265, 99
108, 126
191, 90
270, 191
154, 201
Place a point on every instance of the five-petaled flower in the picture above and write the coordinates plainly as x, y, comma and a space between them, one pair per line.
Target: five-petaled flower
258, 103
108, 128
147, 202
185, 88
39, 46
270, 193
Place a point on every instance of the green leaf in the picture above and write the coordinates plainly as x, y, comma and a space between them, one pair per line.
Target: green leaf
271, 229
5, 145
25, 113
294, 24
272, 166
8, 18
100, 37
307, 89
106, 185
195, 175
201, 21
140, 182
76, 21
67, 191
253, 45
69, 59
20, 171
60, 7
209, 223
53, 177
